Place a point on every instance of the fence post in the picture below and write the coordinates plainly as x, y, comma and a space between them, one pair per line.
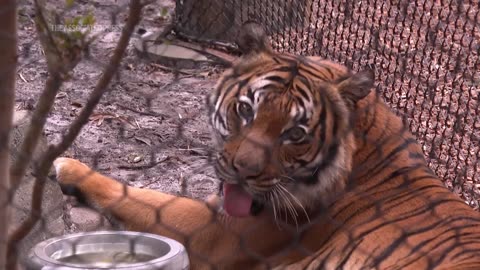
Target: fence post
8, 52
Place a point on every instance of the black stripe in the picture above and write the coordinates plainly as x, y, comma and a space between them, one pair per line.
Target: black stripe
219, 118
329, 71
400, 171
386, 161
324, 261
337, 118
218, 91
359, 211
322, 120
402, 239
251, 95
276, 60
373, 204
277, 79
331, 151
329, 77
224, 95
314, 75
289, 60
416, 249
373, 119
380, 140
352, 249
326, 161
304, 121
453, 245
301, 103
463, 251
290, 69
303, 93
416, 155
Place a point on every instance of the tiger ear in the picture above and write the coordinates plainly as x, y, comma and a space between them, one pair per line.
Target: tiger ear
356, 87
252, 39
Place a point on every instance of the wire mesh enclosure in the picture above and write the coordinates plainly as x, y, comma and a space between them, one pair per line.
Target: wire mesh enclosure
425, 55
140, 127
221, 20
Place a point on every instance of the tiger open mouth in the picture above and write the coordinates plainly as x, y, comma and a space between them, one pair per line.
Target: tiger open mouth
237, 202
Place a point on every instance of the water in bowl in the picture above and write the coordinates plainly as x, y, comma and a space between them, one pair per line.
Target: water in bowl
106, 258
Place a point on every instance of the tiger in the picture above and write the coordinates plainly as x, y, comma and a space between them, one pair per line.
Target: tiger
316, 172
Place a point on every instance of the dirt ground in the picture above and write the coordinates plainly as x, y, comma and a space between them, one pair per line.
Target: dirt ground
150, 130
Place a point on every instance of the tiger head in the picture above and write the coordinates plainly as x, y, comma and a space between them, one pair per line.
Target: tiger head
284, 127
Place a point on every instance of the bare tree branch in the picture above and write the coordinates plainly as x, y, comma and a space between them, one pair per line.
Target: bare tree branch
45, 162
8, 51
57, 72
35, 129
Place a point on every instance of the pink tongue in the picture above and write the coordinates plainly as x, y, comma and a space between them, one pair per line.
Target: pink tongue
237, 201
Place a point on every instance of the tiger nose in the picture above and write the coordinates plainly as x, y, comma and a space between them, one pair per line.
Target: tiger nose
249, 164
247, 168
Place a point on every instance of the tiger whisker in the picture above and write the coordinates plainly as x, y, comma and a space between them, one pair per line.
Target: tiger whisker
296, 200
293, 209
288, 205
279, 205
288, 177
282, 205
272, 201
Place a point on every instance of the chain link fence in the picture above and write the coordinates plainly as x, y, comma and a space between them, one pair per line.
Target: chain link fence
425, 56
149, 130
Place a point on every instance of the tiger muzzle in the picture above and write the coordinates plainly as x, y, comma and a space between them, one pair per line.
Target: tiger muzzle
250, 160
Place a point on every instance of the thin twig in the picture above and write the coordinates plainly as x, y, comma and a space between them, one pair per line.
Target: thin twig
42, 22
45, 103
173, 70
155, 114
24, 64
142, 167
39, 117
54, 151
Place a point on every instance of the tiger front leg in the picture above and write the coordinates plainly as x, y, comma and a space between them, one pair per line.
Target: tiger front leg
139, 209
204, 232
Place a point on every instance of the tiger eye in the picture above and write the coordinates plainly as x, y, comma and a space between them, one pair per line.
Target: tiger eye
245, 110
296, 134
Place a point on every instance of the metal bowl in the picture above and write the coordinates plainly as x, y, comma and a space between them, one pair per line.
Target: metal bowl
108, 250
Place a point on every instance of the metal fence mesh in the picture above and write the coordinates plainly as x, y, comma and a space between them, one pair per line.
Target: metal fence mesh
425, 54
150, 131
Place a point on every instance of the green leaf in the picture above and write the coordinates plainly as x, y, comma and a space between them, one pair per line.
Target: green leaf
88, 19
76, 21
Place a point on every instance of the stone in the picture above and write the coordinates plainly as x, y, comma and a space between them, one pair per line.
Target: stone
86, 219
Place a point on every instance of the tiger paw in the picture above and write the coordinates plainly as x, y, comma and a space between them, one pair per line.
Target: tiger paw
70, 171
